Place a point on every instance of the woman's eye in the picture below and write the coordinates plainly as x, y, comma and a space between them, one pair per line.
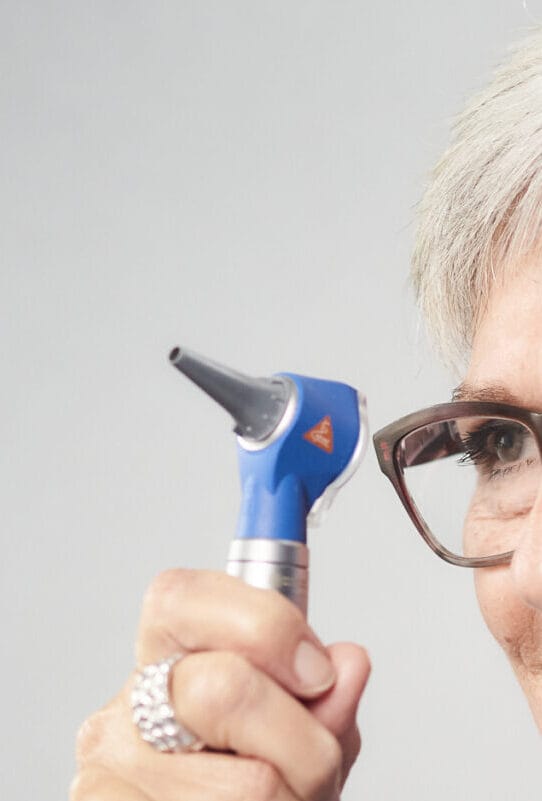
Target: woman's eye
494, 445
508, 445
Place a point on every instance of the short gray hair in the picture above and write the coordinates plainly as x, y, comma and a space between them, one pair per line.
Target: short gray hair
482, 209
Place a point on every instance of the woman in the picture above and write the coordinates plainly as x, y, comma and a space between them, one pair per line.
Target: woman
274, 707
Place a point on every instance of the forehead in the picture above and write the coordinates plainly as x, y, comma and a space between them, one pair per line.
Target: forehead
507, 346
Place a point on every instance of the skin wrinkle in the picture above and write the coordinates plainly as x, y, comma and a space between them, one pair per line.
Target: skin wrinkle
523, 650
528, 651
506, 366
511, 470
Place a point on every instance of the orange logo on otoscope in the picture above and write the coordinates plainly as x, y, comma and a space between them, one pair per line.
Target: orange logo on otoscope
321, 434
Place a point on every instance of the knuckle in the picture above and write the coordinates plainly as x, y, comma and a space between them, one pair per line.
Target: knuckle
328, 765
160, 600
89, 737
172, 588
273, 618
92, 735
351, 751
162, 587
86, 786
261, 781
356, 744
368, 662
223, 682
169, 591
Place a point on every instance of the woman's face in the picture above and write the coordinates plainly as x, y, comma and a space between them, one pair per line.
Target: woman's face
506, 365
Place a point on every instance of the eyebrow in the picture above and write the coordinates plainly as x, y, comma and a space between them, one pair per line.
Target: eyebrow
489, 393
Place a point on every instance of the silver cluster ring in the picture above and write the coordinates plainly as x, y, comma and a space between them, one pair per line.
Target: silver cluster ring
152, 710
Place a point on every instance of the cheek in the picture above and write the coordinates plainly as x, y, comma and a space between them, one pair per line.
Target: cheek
489, 529
516, 626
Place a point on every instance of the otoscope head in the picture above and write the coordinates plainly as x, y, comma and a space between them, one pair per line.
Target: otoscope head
257, 405
300, 438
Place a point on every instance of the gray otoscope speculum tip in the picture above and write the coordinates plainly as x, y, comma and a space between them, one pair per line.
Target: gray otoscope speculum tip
256, 404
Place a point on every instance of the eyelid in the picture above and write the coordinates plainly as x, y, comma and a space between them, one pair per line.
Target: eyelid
498, 424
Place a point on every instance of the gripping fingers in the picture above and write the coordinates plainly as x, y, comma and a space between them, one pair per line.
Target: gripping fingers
115, 764
233, 706
197, 610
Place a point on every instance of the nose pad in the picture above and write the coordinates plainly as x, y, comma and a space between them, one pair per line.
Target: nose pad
526, 565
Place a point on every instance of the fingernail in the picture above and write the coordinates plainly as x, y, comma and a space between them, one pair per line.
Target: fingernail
313, 667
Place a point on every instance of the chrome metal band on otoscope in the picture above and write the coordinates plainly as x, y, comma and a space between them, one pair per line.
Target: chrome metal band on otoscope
280, 565
299, 440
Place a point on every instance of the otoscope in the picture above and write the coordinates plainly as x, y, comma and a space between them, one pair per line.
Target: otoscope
299, 439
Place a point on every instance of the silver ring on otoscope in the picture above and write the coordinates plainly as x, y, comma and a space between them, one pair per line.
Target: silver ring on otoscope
152, 710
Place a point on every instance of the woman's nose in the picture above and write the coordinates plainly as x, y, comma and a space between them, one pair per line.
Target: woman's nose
526, 566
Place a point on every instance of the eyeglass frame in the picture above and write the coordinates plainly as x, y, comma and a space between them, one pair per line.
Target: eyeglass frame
388, 439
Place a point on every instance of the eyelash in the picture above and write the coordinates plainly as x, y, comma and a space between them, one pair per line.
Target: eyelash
476, 451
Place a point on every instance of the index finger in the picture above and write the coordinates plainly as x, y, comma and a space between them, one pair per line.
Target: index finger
199, 610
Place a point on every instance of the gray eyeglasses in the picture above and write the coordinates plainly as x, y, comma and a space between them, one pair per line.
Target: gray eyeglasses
468, 474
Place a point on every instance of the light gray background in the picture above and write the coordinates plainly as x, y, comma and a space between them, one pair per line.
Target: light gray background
238, 177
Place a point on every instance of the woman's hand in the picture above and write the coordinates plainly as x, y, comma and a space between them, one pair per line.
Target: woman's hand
276, 709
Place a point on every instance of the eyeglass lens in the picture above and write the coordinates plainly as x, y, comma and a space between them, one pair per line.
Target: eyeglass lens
472, 480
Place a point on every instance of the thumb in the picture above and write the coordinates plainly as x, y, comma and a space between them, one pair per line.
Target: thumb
337, 709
